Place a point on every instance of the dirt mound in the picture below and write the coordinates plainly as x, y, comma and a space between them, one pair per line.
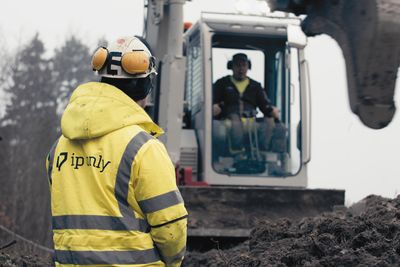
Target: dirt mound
7, 260
367, 234
16, 251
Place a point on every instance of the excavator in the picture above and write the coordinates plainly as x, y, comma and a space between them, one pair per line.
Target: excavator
226, 194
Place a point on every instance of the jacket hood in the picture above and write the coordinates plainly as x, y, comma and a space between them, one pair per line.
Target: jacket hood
96, 109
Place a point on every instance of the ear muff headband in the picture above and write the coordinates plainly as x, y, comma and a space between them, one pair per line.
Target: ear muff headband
99, 58
135, 62
229, 65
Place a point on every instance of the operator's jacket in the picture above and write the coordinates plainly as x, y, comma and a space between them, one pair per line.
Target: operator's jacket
114, 198
232, 102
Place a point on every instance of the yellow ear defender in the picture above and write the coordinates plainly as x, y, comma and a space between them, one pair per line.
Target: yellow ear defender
99, 58
135, 62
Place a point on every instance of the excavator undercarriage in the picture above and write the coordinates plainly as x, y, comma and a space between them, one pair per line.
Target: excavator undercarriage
226, 214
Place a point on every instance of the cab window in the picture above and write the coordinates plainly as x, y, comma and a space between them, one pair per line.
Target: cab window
248, 139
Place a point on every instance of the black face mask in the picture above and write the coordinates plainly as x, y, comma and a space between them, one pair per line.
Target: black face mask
137, 89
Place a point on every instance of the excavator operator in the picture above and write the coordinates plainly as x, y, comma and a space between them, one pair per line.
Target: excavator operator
237, 96
114, 198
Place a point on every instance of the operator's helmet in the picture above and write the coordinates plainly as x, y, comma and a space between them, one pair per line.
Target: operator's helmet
126, 58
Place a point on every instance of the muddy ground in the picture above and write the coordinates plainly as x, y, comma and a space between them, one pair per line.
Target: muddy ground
367, 234
17, 251
7, 260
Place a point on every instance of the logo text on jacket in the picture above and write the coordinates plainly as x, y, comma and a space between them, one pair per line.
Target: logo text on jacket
79, 161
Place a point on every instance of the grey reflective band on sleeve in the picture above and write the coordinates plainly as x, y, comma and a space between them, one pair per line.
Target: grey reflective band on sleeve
99, 223
51, 161
124, 172
106, 257
161, 202
175, 258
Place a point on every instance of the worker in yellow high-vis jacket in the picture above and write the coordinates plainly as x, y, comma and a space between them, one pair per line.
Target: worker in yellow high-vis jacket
114, 198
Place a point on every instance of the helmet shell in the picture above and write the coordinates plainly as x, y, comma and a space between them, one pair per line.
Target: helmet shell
113, 67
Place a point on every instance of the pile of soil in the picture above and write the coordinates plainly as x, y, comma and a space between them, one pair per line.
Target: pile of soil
366, 234
7, 260
16, 251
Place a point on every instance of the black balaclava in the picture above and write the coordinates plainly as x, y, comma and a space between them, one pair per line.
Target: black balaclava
137, 89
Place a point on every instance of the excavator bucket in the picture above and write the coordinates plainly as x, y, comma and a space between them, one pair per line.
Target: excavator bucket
223, 212
368, 32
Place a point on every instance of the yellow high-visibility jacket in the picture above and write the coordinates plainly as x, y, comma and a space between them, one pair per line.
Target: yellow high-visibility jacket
114, 199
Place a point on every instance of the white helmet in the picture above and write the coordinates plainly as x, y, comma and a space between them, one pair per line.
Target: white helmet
127, 57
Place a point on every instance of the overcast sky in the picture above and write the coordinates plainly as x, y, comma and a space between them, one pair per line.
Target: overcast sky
345, 154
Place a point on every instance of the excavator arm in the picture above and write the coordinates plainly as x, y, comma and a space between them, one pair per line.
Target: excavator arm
368, 32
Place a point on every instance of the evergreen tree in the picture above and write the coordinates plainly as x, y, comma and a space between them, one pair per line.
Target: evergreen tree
71, 68
38, 89
4, 168
29, 128
5, 68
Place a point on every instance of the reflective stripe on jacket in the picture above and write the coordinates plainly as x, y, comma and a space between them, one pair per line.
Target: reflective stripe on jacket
114, 198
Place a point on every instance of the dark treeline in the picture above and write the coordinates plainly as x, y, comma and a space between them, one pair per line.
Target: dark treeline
38, 88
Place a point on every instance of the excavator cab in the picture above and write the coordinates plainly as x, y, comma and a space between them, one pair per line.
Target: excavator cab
267, 176
255, 144
270, 151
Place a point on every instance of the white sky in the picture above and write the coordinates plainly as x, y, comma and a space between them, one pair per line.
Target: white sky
345, 154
